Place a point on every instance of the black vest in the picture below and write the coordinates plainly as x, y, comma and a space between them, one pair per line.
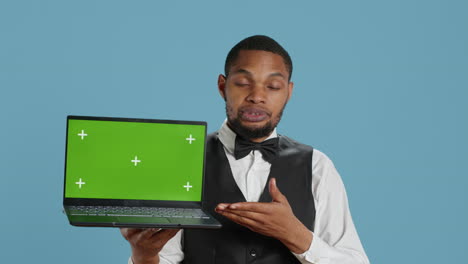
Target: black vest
234, 243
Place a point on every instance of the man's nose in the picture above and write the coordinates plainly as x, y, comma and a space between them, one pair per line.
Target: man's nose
257, 95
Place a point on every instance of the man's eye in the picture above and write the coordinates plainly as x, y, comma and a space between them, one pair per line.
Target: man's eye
242, 84
274, 87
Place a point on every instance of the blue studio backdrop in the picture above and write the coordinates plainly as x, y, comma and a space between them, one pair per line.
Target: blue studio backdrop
380, 86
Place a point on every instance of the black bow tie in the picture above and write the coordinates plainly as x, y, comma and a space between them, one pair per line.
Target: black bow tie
268, 148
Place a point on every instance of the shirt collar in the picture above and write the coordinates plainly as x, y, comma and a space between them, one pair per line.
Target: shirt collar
228, 137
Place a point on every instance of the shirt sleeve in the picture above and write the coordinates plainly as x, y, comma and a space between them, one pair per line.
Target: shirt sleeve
172, 252
335, 239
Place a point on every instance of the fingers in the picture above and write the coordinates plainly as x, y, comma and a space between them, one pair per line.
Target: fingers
164, 235
275, 193
250, 215
147, 243
128, 233
241, 220
222, 206
147, 233
256, 216
263, 208
158, 239
149, 236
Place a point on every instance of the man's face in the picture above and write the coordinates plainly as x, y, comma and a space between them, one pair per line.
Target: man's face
256, 91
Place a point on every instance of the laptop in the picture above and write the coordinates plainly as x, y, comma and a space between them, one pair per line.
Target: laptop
141, 173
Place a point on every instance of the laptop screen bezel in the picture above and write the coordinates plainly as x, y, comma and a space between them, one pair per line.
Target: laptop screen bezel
131, 202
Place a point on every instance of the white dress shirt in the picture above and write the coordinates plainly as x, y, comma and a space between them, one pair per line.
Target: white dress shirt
335, 240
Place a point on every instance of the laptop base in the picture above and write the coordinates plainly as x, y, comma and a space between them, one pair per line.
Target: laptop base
138, 221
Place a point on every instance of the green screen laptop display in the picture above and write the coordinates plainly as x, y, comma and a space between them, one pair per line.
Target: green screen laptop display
134, 160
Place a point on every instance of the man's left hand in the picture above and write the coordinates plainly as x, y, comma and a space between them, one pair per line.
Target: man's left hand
275, 219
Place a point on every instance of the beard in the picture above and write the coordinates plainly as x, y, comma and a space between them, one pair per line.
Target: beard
255, 132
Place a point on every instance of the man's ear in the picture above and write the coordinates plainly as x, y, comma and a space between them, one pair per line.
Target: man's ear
290, 89
222, 86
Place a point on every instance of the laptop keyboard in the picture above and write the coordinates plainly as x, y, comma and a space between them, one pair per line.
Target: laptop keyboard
137, 211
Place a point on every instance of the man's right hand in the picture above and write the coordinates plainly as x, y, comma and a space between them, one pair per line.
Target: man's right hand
146, 243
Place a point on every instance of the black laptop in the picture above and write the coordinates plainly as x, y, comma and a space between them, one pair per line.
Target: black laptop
126, 172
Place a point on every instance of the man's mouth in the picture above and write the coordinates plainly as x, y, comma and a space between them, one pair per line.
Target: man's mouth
251, 114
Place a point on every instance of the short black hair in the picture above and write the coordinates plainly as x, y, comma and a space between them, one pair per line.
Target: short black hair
258, 42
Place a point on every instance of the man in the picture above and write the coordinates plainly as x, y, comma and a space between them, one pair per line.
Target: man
279, 201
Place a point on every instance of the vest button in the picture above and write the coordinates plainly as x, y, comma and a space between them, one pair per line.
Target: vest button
253, 253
